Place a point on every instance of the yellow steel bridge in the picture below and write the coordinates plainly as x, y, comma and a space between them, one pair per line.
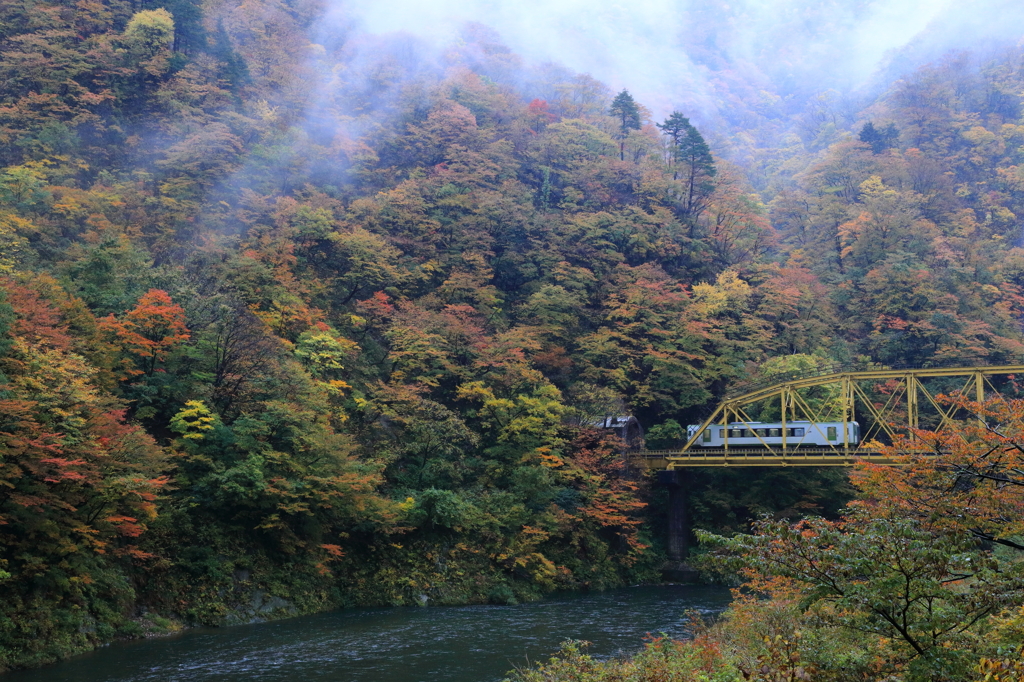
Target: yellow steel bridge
900, 409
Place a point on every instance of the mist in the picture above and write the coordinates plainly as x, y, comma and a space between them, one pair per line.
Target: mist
698, 56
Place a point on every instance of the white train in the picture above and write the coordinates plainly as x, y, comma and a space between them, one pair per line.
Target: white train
759, 434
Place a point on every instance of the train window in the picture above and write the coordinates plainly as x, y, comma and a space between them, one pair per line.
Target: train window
796, 433
832, 433
774, 433
721, 433
706, 436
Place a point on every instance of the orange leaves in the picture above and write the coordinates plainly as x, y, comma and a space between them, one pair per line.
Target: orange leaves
73, 476
613, 508
150, 330
610, 501
38, 322
334, 553
333, 550
155, 323
125, 525
964, 478
549, 459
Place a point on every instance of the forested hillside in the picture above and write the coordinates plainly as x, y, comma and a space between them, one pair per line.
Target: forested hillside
292, 319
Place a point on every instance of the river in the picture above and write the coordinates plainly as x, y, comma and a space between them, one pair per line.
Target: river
432, 644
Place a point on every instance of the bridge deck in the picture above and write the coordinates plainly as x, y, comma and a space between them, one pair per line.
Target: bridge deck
758, 457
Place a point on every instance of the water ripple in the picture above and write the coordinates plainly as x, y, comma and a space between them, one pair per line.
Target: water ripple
438, 644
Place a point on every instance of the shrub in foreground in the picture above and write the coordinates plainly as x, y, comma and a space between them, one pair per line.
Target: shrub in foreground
662, 659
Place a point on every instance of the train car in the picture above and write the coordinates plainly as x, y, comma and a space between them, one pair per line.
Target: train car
760, 434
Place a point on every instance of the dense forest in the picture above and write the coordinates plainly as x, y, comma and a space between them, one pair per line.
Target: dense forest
288, 325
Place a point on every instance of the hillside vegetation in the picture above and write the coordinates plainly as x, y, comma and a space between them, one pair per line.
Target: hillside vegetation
290, 325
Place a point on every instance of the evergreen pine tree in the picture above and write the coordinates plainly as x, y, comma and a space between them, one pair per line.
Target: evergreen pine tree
880, 140
626, 111
690, 154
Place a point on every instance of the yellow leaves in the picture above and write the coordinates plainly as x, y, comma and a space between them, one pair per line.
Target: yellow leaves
1002, 670
469, 283
60, 384
522, 418
417, 355
875, 187
193, 421
1002, 215
521, 553
475, 391
727, 291
1009, 627
12, 243
979, 136
336, 388
147, 40
324, 353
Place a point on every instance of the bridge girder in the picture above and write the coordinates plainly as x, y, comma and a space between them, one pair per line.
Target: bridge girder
793, 407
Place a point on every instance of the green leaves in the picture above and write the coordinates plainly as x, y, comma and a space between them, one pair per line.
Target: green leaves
925, 589
148, 37
626, 112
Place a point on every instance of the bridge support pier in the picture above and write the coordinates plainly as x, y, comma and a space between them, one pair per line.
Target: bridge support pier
676, 569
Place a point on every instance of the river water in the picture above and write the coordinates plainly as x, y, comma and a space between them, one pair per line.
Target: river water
433, 644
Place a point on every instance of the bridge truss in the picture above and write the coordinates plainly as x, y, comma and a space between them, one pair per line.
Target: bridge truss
899, 409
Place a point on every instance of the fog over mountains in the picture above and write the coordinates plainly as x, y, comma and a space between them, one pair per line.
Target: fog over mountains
682, 54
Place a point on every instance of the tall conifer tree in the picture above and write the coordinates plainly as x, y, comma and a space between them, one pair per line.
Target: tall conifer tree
626, 111
691, 157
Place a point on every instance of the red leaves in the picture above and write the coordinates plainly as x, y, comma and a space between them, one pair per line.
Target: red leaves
126, 525
539, 115
611, 500
378, 308
62, 472
74, 476
38, 322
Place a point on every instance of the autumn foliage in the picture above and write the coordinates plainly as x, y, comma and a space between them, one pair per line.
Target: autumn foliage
338, 325
924, 570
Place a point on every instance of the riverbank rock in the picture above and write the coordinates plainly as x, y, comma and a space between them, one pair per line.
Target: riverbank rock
679, 572
261, 607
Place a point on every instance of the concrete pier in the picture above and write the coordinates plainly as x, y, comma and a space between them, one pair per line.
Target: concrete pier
676, 569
